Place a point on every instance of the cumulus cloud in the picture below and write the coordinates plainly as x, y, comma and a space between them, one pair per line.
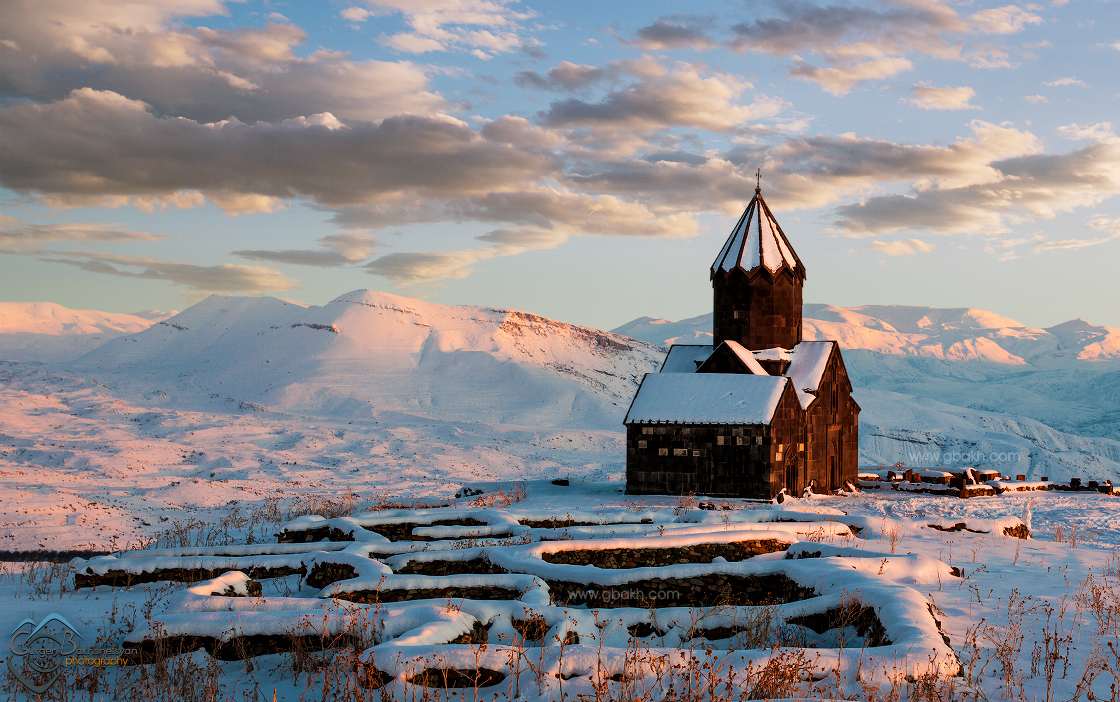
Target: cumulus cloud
901, 248
16, 238
839, 80
928, 97
566, 77
1101, 131
858, 44
143, 51
483, 27
1031, 186
225, 277
684, 97
95, 145
337, 250
664, 35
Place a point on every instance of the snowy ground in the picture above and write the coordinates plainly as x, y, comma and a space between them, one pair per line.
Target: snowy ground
215, 428
1007, 600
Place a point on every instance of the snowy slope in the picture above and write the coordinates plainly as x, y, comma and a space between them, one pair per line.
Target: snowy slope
1067, 376
958, 334
368, 352
44, 331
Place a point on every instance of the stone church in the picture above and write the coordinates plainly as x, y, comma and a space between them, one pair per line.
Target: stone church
760, 409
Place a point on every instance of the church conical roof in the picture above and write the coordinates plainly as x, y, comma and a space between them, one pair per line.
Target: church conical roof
757, 242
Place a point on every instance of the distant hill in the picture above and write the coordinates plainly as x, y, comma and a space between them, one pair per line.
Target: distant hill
1066, 376
957, 334
44, 331
367, 352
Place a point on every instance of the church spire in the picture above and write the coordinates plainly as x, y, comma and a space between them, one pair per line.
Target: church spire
757, 280
757, 243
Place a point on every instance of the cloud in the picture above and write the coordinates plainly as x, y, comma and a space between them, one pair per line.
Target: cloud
684, 97
541, 208
225, 277
839, 80
859, 44
97, 147
1101, 131
1036, 99
566, 77
144, 51
901, 248
1071, 243
426, 266
486, 27
928, 97
1105, 224
663, 35
338, 250
1066, 81
1035, 186
31, 237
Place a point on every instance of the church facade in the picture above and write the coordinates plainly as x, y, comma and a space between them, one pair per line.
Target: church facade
758, 410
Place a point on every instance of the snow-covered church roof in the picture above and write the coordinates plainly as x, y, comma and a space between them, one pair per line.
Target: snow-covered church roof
757, 241
807, 364
706, 398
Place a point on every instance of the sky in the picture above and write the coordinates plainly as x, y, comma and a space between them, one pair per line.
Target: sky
580, 160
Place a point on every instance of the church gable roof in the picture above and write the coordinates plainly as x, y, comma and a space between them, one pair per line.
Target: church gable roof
757, 243
684, 358
808, 362
706, 398
738, 355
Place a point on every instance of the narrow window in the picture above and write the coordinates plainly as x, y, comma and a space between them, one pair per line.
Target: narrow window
680, 452
641, 444
662, 452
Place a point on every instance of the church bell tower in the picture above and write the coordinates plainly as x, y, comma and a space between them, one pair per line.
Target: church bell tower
757, 280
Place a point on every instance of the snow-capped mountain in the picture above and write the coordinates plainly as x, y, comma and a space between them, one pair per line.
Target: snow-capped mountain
956, 334
44, 331
1066, 376
938, 387
368, 351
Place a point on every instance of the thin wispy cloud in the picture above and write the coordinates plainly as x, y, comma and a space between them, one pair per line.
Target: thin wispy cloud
905, 247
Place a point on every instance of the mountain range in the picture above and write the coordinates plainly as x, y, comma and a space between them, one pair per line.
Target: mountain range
937, 386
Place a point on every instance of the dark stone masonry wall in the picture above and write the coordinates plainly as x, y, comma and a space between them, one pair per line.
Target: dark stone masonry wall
655, 557
761, 312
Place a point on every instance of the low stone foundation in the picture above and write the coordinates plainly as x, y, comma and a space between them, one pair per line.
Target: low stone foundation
124, 578
401, 531
616, 558
481, 592
700, 591
863, 618
475, 566
454, 678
